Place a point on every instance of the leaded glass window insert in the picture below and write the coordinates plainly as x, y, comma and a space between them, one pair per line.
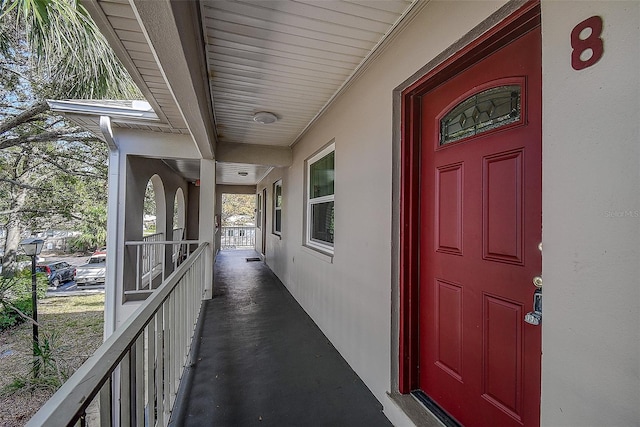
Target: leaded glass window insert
320, 222
487, 110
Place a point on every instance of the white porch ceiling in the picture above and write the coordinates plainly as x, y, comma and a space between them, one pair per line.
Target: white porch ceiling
234, 173
288, 57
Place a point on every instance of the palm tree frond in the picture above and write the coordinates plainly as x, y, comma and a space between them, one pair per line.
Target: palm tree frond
68, 50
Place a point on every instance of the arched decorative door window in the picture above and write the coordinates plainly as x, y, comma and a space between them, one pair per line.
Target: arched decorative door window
484, 111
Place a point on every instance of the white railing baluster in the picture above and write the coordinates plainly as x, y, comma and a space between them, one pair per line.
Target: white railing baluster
150, 373
105, 404
184, 309
179, 332
167, 360
238, 237
148, 269
139, 381
138, 272
164, 261
173, 339
125, 390
151, 265
160, 370
180, 351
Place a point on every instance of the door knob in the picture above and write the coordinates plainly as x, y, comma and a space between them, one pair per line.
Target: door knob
537, 281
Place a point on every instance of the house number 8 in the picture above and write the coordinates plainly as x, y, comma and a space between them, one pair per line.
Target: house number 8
592, 44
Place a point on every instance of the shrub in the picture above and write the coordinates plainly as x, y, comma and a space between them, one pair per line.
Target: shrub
15, 297
49, 371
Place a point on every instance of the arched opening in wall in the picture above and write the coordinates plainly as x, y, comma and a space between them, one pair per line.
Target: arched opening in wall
238, 221
155, 208
178, 215
154, 228
179, 232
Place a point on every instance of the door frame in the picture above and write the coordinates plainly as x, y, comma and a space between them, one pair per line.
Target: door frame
263, 248
515, 24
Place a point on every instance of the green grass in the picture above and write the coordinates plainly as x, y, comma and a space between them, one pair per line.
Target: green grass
74, 327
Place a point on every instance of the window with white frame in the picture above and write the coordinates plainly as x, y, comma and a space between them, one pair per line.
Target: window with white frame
259, 210
320, 204
277, 207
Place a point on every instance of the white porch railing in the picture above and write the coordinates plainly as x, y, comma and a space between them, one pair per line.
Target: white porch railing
144, 359
178, 235
238, 237
151, 260
149, 256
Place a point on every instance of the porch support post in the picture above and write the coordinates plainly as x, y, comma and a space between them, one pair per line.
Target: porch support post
113, 215
207, 226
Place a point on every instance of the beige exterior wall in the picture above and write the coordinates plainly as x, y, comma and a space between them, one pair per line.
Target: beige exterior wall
591, 342
591, 220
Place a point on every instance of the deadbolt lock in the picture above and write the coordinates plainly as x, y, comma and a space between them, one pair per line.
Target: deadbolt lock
535, 317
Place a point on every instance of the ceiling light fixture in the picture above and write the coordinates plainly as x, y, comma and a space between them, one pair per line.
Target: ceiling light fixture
264, 117
243, 173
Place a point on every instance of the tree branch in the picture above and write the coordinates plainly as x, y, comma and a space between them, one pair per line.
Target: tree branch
20, 313
11, 123
20, 184
73, 169
31, 211
10, 211
43, 137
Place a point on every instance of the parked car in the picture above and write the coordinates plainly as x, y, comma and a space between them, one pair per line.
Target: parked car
94, 271
57, 272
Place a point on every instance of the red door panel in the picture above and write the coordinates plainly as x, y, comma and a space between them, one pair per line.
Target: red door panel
480, 215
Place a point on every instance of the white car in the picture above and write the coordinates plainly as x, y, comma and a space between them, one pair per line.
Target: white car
93, 272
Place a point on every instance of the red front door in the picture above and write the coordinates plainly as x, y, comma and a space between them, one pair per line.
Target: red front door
480, 216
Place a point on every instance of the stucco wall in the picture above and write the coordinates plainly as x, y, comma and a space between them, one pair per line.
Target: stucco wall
132, 181
193, 205
591, 220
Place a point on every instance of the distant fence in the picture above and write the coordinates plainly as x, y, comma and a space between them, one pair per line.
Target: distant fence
238, 237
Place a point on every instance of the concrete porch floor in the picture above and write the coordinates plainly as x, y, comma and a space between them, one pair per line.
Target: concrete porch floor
260, 360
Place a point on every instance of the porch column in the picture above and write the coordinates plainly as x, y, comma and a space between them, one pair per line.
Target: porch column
207, 226
114, 205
